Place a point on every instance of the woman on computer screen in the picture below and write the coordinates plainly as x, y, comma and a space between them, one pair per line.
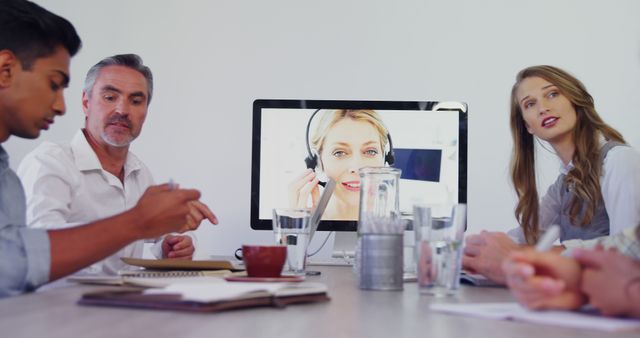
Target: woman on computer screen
598, 189
344, 141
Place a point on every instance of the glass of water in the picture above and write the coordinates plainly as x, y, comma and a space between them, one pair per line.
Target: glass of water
439, 242
291, 228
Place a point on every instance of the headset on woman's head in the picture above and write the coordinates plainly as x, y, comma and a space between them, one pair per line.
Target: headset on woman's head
312, 159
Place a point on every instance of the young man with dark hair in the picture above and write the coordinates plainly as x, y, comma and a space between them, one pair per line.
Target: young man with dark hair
35, 50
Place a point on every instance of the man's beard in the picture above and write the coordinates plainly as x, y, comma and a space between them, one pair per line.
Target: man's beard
113, 142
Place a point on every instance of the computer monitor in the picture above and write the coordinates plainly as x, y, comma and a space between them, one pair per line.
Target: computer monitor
427, 140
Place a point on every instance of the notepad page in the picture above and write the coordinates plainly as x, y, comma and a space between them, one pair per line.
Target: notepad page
158, 282
513, 311
215, 292
222, 291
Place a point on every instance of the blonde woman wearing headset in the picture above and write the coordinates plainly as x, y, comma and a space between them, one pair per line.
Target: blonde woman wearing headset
343, 141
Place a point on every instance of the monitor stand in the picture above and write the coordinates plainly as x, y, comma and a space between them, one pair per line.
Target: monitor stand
344, 246
343, 254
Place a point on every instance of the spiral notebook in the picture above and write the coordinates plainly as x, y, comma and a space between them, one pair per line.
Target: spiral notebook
151, 278
182, 264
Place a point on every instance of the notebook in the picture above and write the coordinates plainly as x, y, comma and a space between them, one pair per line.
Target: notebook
144, 278
211, 297
182, 264
513, 311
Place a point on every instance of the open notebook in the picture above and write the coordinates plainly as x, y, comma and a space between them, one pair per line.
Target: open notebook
211, 297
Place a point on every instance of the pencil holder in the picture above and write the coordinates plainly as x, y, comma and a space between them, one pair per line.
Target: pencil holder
379, 261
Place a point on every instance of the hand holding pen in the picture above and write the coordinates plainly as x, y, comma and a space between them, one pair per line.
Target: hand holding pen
541, 279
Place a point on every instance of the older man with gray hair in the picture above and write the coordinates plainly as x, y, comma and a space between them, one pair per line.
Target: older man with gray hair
96, 176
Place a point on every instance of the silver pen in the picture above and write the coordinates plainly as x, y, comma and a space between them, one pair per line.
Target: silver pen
550, 236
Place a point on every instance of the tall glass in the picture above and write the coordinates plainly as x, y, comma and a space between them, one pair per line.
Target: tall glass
379, 202
439, 249
380, 229
291, 228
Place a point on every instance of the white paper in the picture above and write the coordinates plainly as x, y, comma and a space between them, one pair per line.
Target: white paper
213, 292
513, 311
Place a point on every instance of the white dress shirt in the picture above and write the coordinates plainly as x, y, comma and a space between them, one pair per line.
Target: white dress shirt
66, 186
620, 187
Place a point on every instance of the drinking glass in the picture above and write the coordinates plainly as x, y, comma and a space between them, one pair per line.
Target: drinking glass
291, 228
439, 249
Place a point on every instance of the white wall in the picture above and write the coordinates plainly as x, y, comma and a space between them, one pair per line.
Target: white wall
211, 59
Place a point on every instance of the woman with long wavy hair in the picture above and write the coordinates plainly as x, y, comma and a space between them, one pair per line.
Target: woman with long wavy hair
598, 190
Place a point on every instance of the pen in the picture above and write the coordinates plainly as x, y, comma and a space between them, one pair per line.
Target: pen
550, 236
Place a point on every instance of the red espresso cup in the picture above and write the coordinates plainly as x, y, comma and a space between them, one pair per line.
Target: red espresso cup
264, 260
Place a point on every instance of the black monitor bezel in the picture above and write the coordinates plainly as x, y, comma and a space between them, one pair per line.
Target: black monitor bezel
259, 104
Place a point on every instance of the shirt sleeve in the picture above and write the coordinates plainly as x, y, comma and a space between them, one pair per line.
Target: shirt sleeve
620, 186
25, 259
49, 187
625, 242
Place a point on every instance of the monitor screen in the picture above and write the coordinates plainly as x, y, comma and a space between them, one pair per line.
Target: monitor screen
298, 143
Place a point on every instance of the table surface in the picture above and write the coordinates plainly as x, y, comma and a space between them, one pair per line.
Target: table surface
350, 313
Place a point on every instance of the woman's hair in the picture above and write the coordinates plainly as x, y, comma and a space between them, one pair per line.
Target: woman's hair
584, 178
331, 117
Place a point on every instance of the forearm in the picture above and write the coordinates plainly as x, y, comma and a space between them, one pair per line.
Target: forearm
75, 248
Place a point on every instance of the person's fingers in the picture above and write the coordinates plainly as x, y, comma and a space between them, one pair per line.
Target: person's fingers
166, 247
307, 172
194, 211
295, 186
471, 250
188, 194
297, 195
159, 188
206, 212
171, 239
475, 240
541, 286
590, 258
305, 191
538, 293
469, 263
564, 301
516, 270
190, 224
307, 176
183, 242
182, 253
